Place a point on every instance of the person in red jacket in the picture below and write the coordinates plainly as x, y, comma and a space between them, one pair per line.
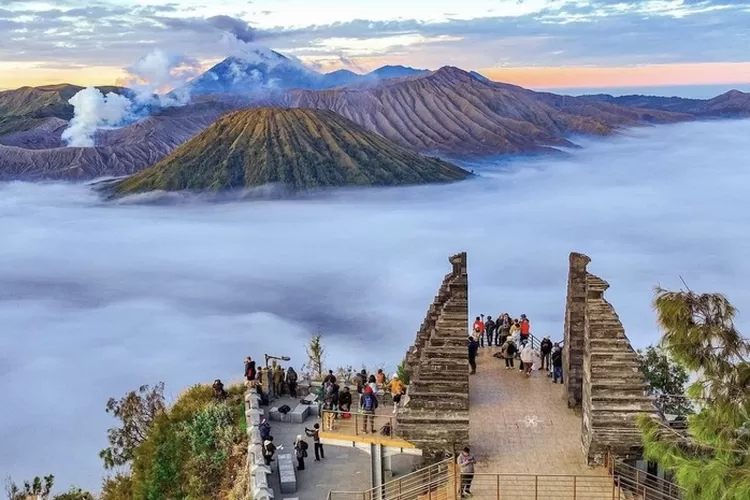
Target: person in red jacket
525, 329
479, 327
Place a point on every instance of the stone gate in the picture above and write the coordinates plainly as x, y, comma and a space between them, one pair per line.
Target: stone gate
436, 418
601, 369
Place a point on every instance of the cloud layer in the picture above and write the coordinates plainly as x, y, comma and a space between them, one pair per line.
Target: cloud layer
556, 32
98, 299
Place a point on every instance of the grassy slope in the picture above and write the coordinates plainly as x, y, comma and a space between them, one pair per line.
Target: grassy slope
26, 107
301, 148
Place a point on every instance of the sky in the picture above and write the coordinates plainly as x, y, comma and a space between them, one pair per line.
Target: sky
564, 44
98, 299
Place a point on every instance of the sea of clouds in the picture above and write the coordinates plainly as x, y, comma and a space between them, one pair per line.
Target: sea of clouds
97, 299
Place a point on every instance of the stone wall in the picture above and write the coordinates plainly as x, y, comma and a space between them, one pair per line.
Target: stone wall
436, 416
259, 472
606, 381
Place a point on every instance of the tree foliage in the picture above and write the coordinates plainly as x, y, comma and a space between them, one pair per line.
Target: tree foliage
711, 459
315, 357
403, 375
41, 488
137, 411
666, 380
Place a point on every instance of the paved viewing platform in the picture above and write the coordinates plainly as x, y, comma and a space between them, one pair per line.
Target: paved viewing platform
521, 424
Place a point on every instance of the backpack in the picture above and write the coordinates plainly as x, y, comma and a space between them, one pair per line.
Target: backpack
386, 430
284, 409
368, 402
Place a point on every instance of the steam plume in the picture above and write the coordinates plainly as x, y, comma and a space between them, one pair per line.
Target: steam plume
94, 110
156, 72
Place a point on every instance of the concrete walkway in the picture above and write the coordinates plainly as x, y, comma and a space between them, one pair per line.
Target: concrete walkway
522, 424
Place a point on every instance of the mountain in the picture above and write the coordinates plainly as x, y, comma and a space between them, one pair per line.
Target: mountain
28, 107
728, 105
264, 71
299, 148
395, 72
451, 112
40, 154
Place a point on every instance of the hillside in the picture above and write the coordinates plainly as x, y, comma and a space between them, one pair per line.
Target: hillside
28, 107
39, 153
732, 104
298, 148
452, 112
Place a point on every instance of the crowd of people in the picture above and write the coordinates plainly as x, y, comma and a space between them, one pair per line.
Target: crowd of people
336, 402
513, 337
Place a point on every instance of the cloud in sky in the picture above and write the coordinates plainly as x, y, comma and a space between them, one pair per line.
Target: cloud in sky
116, 296
534, 33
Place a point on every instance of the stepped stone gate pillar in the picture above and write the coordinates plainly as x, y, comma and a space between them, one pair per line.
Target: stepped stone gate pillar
575, 317
436, 416
601, 370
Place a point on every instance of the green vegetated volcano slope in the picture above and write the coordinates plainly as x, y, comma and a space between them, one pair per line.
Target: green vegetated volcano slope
300, 148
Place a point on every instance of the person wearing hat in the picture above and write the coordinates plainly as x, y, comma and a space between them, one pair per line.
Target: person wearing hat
397, 389
300, 451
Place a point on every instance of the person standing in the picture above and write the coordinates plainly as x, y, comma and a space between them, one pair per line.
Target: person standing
545, 349
466, 463
268, 450
278, 379
473, 348
525, 329
368, 403
250, 372
527, 358
509, 353
557, 362
503, 328
397, 389
291, 382
479, 329
489, 330
300, 451
315, 434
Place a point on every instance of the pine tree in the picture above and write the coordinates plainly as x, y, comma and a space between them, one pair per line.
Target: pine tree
666, 380
710, 461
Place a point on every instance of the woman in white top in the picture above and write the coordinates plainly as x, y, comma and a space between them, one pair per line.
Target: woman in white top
527, 358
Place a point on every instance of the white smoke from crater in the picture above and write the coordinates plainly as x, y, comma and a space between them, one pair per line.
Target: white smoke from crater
94, 110
150, 81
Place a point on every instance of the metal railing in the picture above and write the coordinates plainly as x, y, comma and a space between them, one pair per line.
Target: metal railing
442, 482
358, 424
644, 486
433, 482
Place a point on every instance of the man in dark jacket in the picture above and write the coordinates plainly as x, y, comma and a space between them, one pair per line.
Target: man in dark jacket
291, 382
545, 349
315, 434
345, 400
557, 371
489, 330
473, 347
502, 325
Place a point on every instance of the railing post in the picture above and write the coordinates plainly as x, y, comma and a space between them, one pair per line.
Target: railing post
455, 485
536, 487
429, 483
575, 486
497, 486
356, 424
619, 489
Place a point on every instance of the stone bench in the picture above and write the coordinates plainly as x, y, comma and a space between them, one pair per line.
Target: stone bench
274, 414
300, 413
287, 474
